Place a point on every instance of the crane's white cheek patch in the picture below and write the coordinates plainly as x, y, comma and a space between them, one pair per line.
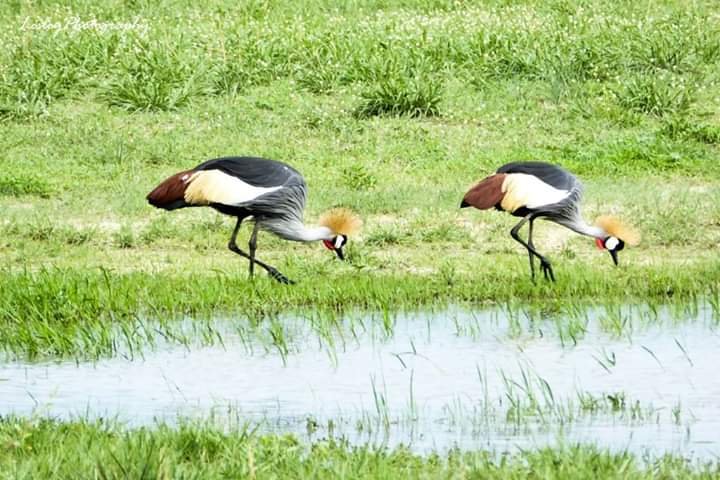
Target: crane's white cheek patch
338, 242
611, 243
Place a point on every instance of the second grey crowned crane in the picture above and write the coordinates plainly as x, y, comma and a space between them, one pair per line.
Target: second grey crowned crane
270, 192
534, 190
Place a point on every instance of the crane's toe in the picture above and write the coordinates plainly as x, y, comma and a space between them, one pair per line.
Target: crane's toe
274, 273
547, 270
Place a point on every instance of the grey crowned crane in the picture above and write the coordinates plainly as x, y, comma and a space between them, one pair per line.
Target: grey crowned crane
271, 192
534, 190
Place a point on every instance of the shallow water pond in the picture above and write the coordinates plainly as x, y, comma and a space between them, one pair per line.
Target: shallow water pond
431, 380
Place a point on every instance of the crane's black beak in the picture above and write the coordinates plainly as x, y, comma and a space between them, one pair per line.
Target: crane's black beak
340, 253
613, 254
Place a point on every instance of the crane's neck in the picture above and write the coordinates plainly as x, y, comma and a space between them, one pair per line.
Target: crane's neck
579, 225
296, 231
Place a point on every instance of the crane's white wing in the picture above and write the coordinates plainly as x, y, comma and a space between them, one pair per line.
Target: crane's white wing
215, 186
523, 190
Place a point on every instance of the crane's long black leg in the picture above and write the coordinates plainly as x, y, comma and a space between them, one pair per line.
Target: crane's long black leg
233, 237
544, 263
531, 250
252, 245
530, 243
274, 273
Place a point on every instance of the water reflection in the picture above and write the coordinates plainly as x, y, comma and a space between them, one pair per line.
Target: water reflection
432, 380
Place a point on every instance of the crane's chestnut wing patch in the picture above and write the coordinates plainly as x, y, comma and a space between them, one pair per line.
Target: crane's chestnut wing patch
170, 194
485, 194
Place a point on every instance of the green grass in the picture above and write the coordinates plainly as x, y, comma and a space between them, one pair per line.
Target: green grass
401, 94
87, 314
390, 108
18, 185
87, 449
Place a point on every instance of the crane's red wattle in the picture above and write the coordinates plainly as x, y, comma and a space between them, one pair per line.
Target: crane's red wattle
599, 244
329, 245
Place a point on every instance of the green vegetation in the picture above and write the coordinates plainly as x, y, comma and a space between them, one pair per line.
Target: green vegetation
23, 184
45, 449
390, 108
96, 313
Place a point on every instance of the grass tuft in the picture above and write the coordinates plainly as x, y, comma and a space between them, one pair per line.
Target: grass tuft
155, 77
37, 74
357, 177
680, 127
125, 237
17, 185
401, 90
655, 94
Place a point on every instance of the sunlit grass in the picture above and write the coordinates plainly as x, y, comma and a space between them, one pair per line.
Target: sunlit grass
45, 448
98, 313
391, 109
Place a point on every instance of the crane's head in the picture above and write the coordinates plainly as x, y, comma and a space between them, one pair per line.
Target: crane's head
612, 245
341, 222
336, 244
618, 235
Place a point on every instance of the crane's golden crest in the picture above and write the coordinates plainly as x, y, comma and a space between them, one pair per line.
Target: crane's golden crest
617, 229
341, 221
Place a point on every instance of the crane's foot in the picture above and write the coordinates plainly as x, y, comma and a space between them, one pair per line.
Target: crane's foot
275, 274
547, 270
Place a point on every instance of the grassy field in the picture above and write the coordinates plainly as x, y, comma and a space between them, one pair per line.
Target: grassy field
392, 108
50, 449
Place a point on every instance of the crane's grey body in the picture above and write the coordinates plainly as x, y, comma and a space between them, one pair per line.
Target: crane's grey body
532, 190
270, 192
279, 211
555, 177
566, 212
